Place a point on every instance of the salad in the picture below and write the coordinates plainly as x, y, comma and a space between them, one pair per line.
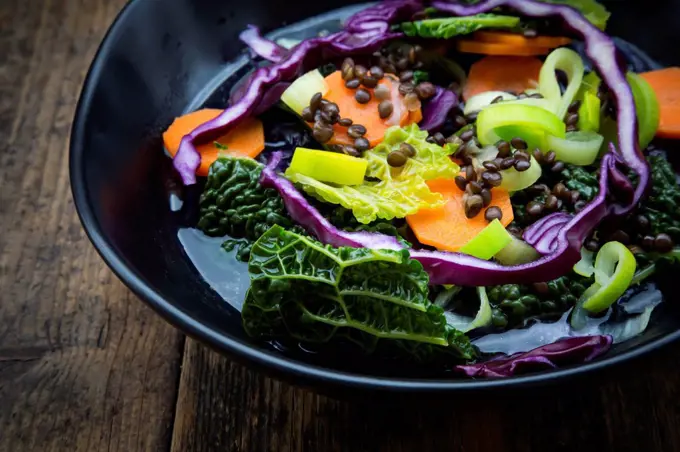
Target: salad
476, 186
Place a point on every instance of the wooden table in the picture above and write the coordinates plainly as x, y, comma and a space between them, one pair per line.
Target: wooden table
85, 366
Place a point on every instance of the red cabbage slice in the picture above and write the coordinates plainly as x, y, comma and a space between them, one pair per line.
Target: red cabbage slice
452, 268
574, 350
543, 234
436, 110
263, 47
361, 36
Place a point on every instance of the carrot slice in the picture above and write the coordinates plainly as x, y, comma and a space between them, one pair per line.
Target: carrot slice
246, 139
516, 39
666, 85
502, 73
495, 48
366, 114
447, 228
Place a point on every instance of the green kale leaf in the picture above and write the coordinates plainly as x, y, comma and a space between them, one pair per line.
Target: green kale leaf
512, 304
662, 207
376, 299
234, 203
448, 27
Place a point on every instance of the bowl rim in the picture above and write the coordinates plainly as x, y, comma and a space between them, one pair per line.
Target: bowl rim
273, 361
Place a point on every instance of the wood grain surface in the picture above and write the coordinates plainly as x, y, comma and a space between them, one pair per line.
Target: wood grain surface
85, 366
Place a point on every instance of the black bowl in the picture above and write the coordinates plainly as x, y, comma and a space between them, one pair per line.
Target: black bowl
160, 59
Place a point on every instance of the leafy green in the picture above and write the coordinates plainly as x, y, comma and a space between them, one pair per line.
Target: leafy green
448, 27
384, 199
319, 294
662, 207
344, 219
512, 304
390, 192
234, 203
430, 162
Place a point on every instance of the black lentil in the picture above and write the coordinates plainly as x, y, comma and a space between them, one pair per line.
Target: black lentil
486, 196
362, 96
493, 213
385, 109
473, 205
353, 83
356, 131
522, 165
396, 159
503, 148
518, 143
407, 149
461, 182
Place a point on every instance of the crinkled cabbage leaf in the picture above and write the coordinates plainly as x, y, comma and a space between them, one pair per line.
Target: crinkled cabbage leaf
320, 294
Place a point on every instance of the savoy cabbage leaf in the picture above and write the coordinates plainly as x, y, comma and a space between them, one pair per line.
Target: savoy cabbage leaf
377, 299
448, 27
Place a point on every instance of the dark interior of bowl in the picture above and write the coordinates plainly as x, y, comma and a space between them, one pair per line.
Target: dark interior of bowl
164, 58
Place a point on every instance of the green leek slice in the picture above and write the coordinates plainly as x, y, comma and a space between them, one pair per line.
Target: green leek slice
508, 120
589, 112
614, 270
517, 252
331, 167
300, 92
578, 148
488, 242
647, 108
571, 64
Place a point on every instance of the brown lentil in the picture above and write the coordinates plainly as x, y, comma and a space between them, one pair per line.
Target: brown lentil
347, 69
406, 76
557, 167
474, 187
459, 122
472, 117
491, 166
329, 118
425, 90
413, 53
574, 197
503, 148
549, 158
572, 119
534, 208
322, 132
473, 205
522, 155
518, 143
362, 96
406, 88
467, 135
620, 236
493, 179
315, 102
538, 155
470, 173
356, 131
493, 213
360, 71
551, 202
522, 165
377, 72
385, 109
642, 223
454, 86
574, 106
461, 182
559, 190
648, 242
486, 196
307, 114
402, 64
407, 149
663, 243
345, 122
369, 81
362, 144
572, 128
580, 205
439, 138
508, 163
396, 159
353, 83
592, 245
350, 150
540, 189
541, 288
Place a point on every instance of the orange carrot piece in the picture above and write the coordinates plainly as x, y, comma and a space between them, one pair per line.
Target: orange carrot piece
447, 228
365, 114
666, 85
496, 48
502, 73
516, 39
246, 139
